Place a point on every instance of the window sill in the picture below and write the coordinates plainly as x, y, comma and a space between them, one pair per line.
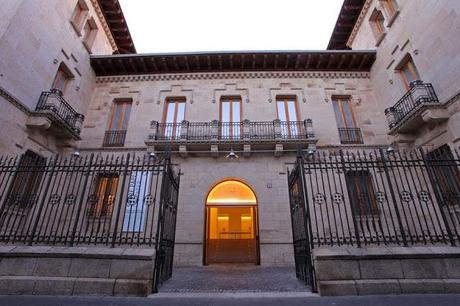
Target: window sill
380, 39
392, 19
76, 28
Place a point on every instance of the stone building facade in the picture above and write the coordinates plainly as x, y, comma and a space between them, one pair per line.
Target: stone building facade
238, 117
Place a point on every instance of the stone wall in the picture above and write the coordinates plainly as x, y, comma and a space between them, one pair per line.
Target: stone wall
387, 270
43, 270
424, 31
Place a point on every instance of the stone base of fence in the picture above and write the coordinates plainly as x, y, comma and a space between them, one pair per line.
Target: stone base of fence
387, 270
44, 270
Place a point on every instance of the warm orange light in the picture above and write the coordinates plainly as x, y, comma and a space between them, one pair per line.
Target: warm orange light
231, 192
222, 218
245, 218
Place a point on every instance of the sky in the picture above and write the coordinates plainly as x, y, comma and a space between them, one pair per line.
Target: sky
219, 25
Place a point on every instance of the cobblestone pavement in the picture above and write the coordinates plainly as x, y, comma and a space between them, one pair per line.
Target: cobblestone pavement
233, 278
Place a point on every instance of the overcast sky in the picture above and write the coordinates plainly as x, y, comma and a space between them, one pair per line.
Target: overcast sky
220, 25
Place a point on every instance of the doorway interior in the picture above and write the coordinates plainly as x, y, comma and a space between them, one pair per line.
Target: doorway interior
231, 227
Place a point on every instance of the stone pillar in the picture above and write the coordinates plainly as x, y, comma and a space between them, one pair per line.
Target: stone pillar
246, 129
154, 130
215, 130
277, 128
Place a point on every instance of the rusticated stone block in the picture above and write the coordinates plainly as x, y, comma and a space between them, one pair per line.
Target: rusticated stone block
125, 287
17, 266
423, 268
337, 269
93, 286
422, 285
380, 269
17, 284
131, 269
57, 267
381, 286
452, 285
452, 267
342, 287
92, 268
54, 286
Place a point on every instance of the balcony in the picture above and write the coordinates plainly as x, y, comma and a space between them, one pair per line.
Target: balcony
115, 138
53, 113
350, 136
418, 106
215, 135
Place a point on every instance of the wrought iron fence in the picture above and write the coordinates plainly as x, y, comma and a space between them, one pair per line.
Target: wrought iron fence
53, 103
350, 135
364, 198
419, 94
111, 200
232, 131
114, 138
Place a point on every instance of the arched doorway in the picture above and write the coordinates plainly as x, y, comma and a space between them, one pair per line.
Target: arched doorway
231, 227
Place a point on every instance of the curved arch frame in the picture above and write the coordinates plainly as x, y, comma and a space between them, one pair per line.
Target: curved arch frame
256, 214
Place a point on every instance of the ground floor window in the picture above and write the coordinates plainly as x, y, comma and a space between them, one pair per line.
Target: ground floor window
103, 196
362, 193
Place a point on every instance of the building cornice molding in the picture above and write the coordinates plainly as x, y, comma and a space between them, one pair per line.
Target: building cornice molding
105, 25
359, 22
230, 75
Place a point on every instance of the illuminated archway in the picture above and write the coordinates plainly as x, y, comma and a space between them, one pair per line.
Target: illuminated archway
231, 224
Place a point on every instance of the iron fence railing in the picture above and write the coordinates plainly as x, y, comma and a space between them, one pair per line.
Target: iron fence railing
114, 138
86, 200
419, 94
350, 136
231, 131
53, 103
377, 197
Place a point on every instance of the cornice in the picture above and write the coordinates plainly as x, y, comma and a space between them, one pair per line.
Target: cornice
104, 23
236, 75
358, 23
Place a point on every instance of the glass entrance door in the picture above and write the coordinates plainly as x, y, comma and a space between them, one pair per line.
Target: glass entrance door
231, 234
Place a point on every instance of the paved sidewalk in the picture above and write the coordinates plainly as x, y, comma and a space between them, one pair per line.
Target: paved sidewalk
225, 300
232, 279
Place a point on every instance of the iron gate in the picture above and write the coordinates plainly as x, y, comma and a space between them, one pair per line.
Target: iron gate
373, 198
301, 226
166, 231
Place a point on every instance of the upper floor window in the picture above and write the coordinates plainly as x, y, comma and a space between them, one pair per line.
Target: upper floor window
408, 72
118, 123
377, 21
286, 107
79, 15
346, 121
62, 78
90, 32
174, 114
230, 117
390, 6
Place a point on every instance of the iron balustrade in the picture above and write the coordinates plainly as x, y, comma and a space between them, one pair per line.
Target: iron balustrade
115, 138
419, 94
112, 200
231, 131
375, 197
350, 136
53, 103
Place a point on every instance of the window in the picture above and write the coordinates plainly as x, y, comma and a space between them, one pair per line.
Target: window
79, 15
118, 123
230, 117
390, 6
361, 189
408, 72
346, 121
90, 32
377, 22
27, 179
174, 115
103, 195
287, 114
446, 174
62, 78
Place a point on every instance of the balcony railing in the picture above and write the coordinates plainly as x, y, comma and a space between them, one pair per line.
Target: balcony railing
419, 95
231, 131
350, 136
59, 111
115, 138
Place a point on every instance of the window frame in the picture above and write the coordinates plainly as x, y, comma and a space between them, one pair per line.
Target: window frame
377, 23
354, 181
79, 16
103, 207
175, 124
231, 129
409, 64
89, 37
67, 76
124, 102
339, 101
292, 125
